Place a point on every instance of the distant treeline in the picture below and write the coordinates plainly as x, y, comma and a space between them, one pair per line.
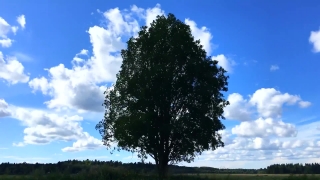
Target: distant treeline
313, 168
76, 166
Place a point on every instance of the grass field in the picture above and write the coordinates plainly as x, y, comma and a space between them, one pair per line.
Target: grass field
259, 176
176, 177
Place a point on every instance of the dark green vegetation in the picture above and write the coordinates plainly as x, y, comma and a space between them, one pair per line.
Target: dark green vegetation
311, 168
109, 170
167, 101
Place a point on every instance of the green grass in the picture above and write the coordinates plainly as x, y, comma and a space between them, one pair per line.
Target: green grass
259, 177
132, 176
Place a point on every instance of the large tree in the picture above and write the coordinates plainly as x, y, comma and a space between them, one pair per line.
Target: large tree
167, 101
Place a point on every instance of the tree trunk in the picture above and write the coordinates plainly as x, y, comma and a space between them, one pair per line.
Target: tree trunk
163, 169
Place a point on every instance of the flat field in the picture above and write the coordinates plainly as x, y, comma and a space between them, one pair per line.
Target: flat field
259, 176
175, 177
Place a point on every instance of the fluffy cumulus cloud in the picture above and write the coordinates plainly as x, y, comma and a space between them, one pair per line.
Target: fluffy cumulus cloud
264, 128
261, 133
87, 142
314, 39
204, 35
239, 109
269, 101
225, 62
263, 148
81, 87
201, 34
265, 102
6, 29
43, 128
11, 70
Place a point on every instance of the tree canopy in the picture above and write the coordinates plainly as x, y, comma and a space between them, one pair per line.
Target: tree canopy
167, 101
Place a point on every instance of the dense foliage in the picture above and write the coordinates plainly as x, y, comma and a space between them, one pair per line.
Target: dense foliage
308, 168
167, 101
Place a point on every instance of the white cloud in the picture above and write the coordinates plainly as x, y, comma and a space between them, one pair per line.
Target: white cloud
274, 68
6, 42
265, 128
6, 28
44, 128
269, 101
77, 88
71, 88
149, 14
267, 138
304, 104
40, 84
84, 52
12, 70
224, 62
4, 108
314, 39
152, 13
86, 143
203, 34
265, 102
22, 21
238, 109
14, 29
246, 149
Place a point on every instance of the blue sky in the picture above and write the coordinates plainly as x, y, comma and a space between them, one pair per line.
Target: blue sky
57, 58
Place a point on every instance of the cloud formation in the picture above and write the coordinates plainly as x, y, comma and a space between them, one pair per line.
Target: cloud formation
11, 70
81, 87
262, 134
314, 39
6, 29
264, 128
44, 127
265, 102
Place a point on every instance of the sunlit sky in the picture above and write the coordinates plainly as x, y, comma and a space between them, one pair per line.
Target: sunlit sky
58, 57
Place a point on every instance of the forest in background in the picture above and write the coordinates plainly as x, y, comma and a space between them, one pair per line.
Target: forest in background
76, 167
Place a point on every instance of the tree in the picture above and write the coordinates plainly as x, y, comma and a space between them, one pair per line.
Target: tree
167, 101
